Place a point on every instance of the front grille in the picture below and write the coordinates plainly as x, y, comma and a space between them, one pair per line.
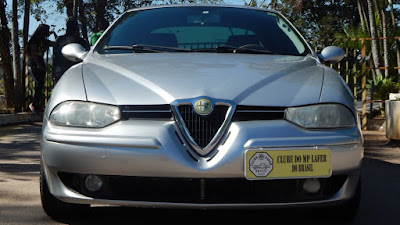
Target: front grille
251, 113
145, 112
203, 128
210, 191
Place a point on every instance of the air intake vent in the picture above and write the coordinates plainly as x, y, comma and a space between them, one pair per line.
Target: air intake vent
203, 128
146, 112
251, 113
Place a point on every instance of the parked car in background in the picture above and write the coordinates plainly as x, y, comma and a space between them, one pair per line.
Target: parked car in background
201, 106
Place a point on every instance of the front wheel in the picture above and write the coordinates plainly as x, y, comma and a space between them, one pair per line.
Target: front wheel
54, 207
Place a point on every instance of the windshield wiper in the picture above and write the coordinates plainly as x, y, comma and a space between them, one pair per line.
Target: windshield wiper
252, 49
232, 49
134, 48
140, 48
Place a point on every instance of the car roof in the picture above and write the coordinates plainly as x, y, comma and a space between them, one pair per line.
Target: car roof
202, 5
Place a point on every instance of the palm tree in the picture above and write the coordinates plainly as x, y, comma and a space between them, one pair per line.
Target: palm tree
381, 12
361, 6
394, 24
374, 35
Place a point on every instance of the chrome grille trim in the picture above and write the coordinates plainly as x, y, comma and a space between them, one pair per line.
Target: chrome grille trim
205, 148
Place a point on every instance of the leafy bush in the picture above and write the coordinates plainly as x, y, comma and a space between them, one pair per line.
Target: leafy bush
383, 87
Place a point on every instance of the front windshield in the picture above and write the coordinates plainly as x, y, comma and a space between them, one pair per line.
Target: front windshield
200, 28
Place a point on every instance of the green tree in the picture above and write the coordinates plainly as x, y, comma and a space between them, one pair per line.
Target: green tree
319, 19
90, 12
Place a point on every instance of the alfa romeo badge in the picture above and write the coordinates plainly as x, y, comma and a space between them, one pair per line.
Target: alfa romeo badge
203, 106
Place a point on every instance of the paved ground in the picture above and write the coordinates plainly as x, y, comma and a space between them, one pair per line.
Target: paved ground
20, 201
19, 175
377, 146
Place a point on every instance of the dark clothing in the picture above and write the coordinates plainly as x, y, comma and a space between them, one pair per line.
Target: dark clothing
60, 63
38, 98
35, 53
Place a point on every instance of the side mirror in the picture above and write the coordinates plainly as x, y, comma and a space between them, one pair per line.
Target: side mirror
74, 52
332, 54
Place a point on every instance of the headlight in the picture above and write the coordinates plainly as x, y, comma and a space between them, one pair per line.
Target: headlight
321, 116
84, 114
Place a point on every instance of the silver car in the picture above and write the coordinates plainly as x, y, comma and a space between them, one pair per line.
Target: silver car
201, 107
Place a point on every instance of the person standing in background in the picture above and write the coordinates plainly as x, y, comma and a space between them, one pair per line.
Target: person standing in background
37, 45
72, 35
102, 26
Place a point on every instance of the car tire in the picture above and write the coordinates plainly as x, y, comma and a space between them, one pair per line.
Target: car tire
55, 208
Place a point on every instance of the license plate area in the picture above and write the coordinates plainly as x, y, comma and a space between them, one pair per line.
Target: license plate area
287, 164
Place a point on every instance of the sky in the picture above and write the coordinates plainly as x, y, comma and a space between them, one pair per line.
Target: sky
58, 21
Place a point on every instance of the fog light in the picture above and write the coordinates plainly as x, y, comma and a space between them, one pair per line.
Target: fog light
93, 183
311, 185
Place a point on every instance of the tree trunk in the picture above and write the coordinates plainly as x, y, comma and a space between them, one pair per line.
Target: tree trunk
16, 59
379, 17
100, 9
82, 19
374, 35
385, 42
69, 4
382, 23
25, 37
6, 60
396, 40
363, 18
74, 9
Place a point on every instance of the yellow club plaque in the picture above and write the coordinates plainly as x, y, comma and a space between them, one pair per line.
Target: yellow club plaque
276, 164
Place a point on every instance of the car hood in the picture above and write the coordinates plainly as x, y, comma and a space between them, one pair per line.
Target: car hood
161, 78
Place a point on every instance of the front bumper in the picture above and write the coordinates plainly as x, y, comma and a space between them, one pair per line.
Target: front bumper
151, 156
